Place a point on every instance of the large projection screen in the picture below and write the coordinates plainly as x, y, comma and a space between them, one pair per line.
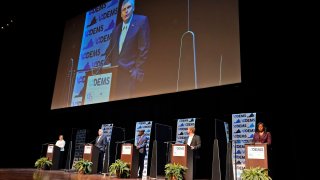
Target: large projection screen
166, 46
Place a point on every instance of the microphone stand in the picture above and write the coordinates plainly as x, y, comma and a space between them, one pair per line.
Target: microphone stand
70, 82
168, 150
120, 142
41, 150
116, 154
69, 152
106, 59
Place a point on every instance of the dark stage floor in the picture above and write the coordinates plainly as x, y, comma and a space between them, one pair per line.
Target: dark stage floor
26, 174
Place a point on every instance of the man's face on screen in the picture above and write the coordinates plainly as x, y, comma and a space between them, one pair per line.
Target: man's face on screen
126, 11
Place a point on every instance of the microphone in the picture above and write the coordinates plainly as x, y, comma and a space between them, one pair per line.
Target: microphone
167, 142
71, 67
91, 141
48, 143
80, 143
124, 141
70, 82
106, 59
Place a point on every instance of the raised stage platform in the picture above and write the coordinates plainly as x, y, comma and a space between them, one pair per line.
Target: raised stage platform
34, 174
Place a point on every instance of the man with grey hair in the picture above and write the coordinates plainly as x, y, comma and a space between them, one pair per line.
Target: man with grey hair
129, 48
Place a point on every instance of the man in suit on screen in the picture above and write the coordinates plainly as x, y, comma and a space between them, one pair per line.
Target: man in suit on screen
128, 48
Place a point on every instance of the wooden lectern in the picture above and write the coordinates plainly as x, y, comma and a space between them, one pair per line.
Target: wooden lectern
130, 155
91, 153
99, 71
53, 154
256, 155
183, 155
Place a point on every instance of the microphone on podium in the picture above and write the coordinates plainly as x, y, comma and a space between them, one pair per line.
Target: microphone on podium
106, 59
127, 140
92, 141
167, 142
48, 143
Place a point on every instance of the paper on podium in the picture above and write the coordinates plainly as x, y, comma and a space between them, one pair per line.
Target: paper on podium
50, 149
87, 149
256, 152
179, 151
126, 149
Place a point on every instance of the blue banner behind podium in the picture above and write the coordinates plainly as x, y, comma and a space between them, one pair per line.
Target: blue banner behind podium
243, 128
107, 130
182, 128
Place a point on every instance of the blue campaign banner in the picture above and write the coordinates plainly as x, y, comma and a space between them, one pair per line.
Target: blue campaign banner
98, 26
107, 130
182, 129
243, 128
146, 126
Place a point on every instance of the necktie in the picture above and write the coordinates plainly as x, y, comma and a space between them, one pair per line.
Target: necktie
122, 37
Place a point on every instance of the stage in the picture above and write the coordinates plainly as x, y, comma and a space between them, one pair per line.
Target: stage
26, 174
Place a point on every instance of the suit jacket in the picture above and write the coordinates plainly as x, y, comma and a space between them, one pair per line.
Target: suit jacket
101, 144
196, 142
142, 143
135, 47
265, 138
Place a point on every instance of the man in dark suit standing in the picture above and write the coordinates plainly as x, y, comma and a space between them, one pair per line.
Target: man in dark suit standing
141, 146
128, 48
101, 143
194, 141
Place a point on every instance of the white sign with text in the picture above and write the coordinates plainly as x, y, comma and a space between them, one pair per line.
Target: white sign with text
255, 152
126, 149
179, 151
50, 149
87, 150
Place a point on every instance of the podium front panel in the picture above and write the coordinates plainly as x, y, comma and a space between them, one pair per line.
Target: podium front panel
87, 152
102, 87
256, 155
130, 155
179, 154
91, 154
50, 151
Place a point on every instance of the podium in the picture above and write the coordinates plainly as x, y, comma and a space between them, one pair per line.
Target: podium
256, 155
91, 153
183, 155
130, 155
53, 154
100, 87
